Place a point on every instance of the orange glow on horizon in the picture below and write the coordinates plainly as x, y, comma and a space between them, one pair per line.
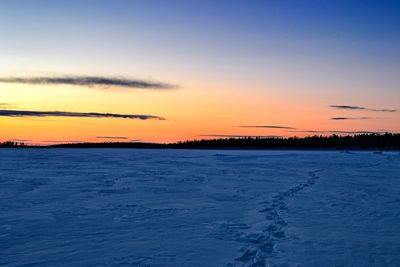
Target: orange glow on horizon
191, 113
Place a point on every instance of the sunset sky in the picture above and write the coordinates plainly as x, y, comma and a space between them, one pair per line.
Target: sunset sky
164, 71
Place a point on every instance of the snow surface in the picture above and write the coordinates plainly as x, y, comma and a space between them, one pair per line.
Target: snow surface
111, 207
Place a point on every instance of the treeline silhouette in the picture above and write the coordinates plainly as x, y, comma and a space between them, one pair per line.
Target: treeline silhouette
12, 144
386, 141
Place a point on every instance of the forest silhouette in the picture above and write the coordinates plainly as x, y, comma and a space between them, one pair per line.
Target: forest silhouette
387, 141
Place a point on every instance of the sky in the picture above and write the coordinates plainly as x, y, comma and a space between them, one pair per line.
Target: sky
165, 71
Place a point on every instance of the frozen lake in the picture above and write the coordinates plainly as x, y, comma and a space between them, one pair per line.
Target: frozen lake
111, 207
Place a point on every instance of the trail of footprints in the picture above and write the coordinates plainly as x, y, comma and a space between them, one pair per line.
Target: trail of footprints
260, 246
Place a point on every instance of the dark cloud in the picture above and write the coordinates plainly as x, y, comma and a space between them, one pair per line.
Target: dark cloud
267, 126
347, 107
240, 136
111, 137
361, 108
356, 132
348, 118
340, 132
88, 81
62, 141
29, 113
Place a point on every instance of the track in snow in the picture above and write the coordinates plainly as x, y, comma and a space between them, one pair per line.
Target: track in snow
261, 246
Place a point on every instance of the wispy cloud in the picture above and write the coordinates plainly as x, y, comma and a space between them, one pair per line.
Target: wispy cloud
6, 105
350, 118
345, 107
62, 141
239, 136
267, 126
111, 137
90, 81
339, 132
30, 113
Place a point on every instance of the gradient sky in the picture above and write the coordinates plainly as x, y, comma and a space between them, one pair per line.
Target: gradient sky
234, 63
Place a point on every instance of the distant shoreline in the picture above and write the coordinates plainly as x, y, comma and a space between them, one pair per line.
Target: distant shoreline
362, 142
377, 151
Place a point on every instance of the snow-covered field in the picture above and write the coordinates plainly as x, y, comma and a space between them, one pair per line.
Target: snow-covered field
110, 207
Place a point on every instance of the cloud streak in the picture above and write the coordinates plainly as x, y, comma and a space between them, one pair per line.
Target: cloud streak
345, 107
6, 105
349, 118
340, 132
112, 137
89, 81
62, 141
30, 113
267, 126
239, 136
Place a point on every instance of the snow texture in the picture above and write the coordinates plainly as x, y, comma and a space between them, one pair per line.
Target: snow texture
115, 207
